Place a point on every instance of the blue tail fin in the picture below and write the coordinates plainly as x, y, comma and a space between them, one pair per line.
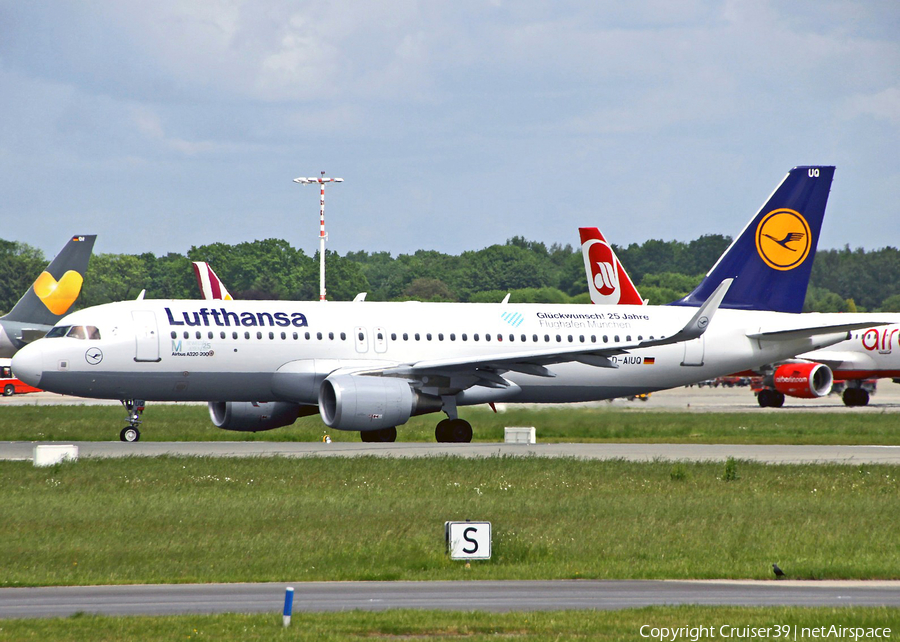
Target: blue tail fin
772, 258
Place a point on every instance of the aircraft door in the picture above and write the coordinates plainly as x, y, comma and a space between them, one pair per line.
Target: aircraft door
361, 337
694, 351
146, 336
380, 340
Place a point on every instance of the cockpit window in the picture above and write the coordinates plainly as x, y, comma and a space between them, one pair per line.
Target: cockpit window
93, 332
58, 331
77, 332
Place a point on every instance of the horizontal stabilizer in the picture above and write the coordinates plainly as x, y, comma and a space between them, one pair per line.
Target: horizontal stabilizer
809, 331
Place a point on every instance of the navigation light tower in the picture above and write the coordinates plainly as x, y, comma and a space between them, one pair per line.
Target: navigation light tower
322, 235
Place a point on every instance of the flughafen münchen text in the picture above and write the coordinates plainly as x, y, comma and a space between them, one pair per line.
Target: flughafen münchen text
595, 320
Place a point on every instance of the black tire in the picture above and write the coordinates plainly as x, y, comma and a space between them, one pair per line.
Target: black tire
130, 434
442, 431
384, 435
453, 431
764, 398
855, 397
9, 390
777, 399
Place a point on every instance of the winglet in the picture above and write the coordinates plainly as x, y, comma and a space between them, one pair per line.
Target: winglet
701, 319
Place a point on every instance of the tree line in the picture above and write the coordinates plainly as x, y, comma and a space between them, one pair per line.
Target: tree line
664, 271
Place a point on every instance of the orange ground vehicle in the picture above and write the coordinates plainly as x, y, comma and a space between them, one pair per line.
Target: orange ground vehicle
9, 385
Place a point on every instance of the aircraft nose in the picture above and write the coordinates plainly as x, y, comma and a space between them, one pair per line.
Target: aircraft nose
28, 364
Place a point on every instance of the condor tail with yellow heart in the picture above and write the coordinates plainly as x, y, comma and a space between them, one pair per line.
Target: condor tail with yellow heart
49, 298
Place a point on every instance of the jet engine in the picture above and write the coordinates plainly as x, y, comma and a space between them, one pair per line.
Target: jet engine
247, 416
803, 380
358, 402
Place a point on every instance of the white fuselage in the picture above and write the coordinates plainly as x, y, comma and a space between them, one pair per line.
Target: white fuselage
231, 350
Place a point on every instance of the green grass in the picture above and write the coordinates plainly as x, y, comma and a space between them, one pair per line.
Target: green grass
554, 424
469, 626
139, 520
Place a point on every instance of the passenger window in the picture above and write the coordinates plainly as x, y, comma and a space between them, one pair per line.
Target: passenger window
558, 339
570, 338
259, 335
331, 336
246, 335
319, 336
487, 337
174, 334
428, 337
187, 335
581, 338
452, 336
393, 336
222, 335
296, 336
210, 334
343, 336
546, 338
417, 336
617, 338
512, 338
306, 336
475, 337
271, 335
440, 336
405, 337
465, 337
197, 334
234, 335
605, 339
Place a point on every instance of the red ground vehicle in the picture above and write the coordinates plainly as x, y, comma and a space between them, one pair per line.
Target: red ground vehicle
9, 385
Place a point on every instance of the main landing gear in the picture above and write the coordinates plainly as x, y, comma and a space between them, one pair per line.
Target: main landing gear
768, 398
855, 396
134, 407
454, 431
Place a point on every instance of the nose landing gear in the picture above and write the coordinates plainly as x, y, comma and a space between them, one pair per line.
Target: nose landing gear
134, 408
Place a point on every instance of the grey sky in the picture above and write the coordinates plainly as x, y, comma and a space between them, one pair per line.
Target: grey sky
455, 124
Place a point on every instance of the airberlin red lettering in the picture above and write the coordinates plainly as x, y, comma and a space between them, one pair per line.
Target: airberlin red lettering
880, 339
226, 318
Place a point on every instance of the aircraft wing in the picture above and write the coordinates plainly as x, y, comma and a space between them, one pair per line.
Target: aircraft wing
485, 367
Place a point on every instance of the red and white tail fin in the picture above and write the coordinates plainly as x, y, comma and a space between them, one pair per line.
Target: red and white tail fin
211, 287
607, 280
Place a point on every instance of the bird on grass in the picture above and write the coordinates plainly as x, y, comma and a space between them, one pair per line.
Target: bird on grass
778, 572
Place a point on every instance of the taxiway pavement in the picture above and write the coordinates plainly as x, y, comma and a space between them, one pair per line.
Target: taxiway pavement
497, 596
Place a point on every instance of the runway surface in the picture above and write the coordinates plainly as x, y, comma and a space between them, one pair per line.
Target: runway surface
773, 454
457, 596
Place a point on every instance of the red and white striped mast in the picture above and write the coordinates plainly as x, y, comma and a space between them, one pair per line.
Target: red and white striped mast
322, 235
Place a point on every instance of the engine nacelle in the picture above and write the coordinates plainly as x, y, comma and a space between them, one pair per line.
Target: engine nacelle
358, 402
803, 380
247, 416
